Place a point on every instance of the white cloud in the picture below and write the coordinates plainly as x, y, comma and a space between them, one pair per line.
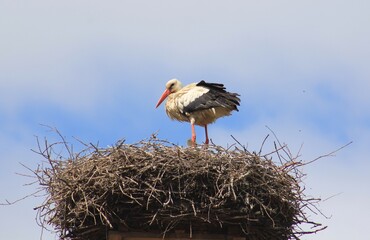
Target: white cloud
50, 50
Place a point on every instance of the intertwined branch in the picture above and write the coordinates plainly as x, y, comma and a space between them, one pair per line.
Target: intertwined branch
157, 185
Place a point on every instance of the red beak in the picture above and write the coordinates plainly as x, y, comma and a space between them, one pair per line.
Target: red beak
163, 97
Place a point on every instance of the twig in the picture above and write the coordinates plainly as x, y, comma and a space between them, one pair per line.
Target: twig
156, 184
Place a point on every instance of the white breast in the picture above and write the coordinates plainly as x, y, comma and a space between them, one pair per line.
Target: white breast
177, 101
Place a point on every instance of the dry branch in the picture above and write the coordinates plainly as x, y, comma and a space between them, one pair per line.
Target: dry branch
156, 185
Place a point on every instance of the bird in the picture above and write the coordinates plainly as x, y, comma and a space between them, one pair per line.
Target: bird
199, 104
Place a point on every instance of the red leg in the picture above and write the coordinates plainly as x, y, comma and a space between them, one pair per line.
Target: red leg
193, 135
206, 130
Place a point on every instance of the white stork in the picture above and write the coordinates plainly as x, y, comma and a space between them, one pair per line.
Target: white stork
198, 103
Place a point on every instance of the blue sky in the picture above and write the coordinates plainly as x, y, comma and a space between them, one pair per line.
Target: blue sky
95, 71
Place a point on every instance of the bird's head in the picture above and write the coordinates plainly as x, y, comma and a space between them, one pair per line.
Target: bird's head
172, 86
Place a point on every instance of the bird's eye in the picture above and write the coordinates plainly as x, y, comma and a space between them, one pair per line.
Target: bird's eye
171, 86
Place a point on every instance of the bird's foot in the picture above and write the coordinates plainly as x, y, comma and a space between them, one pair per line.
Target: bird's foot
191, 143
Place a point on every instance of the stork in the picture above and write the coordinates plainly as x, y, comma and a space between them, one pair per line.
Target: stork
198, 103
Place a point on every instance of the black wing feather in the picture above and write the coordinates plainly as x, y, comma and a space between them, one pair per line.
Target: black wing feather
217, 96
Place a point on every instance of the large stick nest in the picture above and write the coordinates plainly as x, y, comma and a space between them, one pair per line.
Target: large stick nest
156, 185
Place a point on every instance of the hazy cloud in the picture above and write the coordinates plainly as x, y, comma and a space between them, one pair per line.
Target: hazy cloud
95, 69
